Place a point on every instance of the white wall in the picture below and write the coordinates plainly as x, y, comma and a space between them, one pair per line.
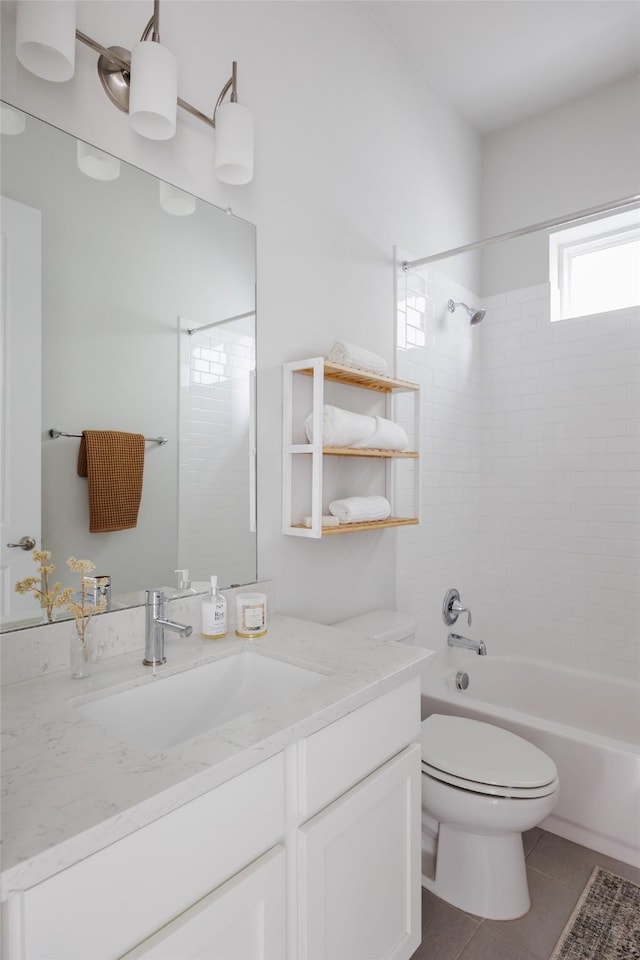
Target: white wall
351, 158
579, 155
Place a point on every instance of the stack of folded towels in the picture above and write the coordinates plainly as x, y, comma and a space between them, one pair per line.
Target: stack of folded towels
342, 428
360, 509
350, 355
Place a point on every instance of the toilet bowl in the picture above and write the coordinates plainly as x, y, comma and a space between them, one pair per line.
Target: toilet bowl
482, 786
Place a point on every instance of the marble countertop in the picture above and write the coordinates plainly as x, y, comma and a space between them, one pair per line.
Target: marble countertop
70, 788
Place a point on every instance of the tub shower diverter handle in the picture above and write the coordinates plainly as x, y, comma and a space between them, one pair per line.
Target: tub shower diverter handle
452, 608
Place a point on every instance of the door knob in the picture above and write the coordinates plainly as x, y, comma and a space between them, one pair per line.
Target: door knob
25, 543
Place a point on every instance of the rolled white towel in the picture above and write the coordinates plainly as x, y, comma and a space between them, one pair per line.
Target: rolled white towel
350, 355
342, 428
387, 435
360, 509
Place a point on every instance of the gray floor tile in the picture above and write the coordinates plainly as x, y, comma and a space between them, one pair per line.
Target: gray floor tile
488, 943
572, 864
445, 930
530, 839
551, 905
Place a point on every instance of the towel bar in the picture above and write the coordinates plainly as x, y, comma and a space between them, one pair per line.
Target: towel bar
58, 433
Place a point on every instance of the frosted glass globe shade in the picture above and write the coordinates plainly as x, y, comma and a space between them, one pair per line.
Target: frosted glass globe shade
234, 144
175, 201
12, 121
96, 163
46, 37
153, 95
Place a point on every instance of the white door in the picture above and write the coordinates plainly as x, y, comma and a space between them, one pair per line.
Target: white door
359, 869
20, 401
244, 919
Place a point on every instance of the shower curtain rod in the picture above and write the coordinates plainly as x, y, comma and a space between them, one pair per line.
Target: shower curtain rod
216, 323
523, 231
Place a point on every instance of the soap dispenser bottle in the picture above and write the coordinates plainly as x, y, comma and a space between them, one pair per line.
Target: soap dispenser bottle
214, 613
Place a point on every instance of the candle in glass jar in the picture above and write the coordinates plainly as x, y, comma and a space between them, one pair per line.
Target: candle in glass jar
251, 615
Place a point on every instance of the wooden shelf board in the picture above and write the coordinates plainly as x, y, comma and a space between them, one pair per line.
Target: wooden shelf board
367, 452
367, 525
361, 378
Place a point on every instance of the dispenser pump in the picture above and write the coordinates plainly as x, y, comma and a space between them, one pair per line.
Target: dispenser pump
183, 579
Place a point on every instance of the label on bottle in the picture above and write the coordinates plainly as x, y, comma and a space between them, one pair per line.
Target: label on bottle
214, 619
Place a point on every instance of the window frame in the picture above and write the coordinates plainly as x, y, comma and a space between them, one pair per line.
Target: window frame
566, 245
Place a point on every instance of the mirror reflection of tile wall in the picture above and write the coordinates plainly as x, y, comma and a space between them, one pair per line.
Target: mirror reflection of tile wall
216, 496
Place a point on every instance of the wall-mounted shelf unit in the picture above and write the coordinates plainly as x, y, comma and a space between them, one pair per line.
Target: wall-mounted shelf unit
309, 491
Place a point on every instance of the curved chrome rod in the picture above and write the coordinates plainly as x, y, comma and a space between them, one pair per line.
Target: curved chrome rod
54, 434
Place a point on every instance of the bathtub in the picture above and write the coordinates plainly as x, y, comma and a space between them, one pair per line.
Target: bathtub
589, 725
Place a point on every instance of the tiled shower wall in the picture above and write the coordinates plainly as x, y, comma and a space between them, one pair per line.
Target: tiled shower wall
439, 350
545, 545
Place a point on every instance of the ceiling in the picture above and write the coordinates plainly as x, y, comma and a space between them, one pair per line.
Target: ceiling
499, 61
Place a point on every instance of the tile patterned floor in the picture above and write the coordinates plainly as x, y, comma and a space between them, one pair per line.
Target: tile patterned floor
557, 870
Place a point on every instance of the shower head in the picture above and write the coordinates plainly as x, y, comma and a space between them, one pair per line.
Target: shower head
476, 315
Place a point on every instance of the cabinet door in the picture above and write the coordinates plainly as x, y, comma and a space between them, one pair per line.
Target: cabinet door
359, 869
244, 919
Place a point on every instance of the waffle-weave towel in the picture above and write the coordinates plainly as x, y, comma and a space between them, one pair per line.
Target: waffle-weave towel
113, 463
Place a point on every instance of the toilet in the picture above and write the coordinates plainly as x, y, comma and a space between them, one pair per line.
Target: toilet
482, 786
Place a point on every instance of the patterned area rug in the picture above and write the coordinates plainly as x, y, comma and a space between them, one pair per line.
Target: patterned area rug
605, 924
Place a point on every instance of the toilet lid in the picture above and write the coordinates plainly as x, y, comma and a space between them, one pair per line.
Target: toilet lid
483, 753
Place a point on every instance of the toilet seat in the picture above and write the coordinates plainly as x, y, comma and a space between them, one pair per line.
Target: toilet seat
512, 793
483, 758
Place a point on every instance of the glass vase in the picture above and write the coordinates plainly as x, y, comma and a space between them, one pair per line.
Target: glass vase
81, 653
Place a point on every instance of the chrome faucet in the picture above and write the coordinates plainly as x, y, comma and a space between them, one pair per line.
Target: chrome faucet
155, 625
452, 608
98, 588
455, 640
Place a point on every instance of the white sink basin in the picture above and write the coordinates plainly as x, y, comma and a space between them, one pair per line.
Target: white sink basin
166, 711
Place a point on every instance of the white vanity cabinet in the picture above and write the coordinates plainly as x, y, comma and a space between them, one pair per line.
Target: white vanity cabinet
313, 854
114, 900
245, 917
358, 857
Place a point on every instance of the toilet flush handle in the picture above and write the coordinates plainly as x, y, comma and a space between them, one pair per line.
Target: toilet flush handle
452, 608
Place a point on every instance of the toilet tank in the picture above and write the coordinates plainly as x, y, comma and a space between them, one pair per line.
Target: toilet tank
381, 625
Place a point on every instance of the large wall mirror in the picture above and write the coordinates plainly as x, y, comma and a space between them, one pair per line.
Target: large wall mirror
126, 306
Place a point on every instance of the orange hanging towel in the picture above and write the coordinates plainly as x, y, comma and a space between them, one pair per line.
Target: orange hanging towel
113, 463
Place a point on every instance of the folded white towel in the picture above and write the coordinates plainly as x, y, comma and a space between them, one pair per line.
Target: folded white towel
343, 428
360, 509
351, 355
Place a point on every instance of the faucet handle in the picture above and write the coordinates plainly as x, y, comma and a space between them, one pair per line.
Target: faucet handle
452, 608
457, 608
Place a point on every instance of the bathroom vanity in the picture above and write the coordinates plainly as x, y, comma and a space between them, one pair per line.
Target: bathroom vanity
292, 830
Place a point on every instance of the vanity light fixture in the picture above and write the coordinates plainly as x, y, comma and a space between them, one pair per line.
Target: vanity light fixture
96, 163
142, 83
12, 122
176, 201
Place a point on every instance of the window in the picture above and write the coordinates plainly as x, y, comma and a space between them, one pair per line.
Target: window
595, 267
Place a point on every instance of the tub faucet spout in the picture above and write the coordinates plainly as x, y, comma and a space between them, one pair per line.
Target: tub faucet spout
455, 640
